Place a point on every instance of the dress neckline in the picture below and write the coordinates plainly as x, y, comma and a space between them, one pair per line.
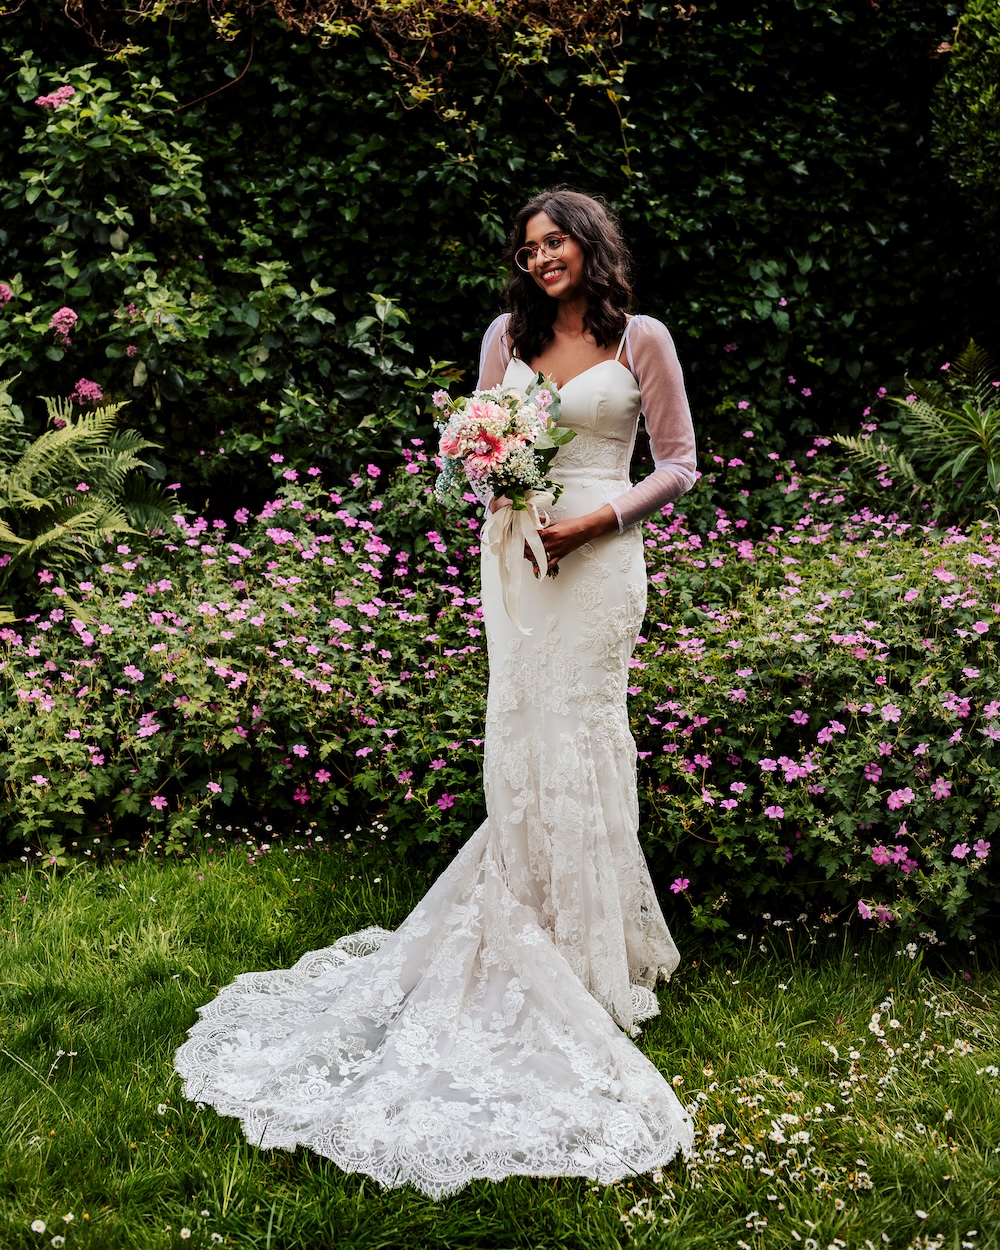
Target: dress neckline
562, 385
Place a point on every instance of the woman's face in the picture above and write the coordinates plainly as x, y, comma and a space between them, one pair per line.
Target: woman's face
562, 276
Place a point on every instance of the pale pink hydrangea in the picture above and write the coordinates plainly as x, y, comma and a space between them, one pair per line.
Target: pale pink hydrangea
86, 392
61, 324
57, 98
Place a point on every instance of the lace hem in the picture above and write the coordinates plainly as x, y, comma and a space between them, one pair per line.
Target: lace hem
598, 1109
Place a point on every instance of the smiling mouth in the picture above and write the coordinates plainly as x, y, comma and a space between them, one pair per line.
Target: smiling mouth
550, 275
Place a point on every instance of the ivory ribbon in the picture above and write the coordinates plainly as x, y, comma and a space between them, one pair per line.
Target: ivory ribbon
505, 533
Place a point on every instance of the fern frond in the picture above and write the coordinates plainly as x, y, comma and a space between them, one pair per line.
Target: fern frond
64, 541
146, 504
57, 454
975, 370
43, 515
882, 457
932, 393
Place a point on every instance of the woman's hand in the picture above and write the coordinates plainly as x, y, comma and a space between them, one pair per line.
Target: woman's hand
562, 537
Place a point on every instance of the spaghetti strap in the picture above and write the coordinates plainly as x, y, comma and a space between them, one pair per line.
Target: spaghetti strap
621, 342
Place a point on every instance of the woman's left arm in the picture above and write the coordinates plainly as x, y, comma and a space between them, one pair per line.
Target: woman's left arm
667, 417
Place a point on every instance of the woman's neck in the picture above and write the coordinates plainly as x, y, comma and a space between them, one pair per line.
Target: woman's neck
569, 319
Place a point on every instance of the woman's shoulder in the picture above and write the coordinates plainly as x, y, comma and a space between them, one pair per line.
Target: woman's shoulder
498, 325
642, 326
649, 340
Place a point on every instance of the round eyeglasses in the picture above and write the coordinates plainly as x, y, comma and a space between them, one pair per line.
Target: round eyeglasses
550, 247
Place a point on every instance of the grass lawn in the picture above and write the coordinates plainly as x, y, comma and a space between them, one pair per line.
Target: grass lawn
845, 1097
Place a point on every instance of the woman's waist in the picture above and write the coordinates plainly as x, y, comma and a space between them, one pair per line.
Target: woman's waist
592, 457
583, 483
576, 498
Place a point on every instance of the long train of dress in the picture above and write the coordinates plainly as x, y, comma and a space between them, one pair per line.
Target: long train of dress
488, 1036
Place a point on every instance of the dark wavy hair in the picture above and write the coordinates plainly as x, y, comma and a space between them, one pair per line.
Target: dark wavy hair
606, 270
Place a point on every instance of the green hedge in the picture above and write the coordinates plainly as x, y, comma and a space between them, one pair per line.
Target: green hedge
967, 118
225, 208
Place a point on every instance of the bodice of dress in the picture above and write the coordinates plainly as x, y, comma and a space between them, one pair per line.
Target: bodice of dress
602, 405
646, 376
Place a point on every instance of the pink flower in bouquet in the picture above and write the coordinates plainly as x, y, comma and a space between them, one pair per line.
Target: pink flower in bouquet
483, 411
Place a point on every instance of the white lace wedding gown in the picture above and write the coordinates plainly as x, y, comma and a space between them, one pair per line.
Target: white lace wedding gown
488, 1036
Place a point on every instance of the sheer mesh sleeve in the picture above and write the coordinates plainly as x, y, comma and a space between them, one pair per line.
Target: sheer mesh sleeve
652, 358
494, 355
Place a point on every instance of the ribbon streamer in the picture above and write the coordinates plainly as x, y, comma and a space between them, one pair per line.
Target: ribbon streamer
505, 533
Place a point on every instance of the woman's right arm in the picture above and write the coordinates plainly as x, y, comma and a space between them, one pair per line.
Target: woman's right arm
494, 355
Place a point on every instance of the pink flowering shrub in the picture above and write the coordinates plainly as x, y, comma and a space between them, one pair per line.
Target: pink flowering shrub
325, 657
864, 754
321, 656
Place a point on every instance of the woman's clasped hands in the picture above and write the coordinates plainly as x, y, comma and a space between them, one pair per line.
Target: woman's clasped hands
560, 538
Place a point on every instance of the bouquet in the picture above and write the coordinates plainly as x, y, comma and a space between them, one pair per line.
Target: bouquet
503, 441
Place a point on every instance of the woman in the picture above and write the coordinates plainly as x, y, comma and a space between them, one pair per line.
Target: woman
488, 1036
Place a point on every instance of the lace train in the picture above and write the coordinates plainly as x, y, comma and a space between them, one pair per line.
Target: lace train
461, 1046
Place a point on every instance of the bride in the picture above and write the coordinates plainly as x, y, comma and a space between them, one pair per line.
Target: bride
490, 1034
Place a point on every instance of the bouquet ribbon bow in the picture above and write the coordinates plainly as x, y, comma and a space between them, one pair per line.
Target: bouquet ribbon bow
505, 533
